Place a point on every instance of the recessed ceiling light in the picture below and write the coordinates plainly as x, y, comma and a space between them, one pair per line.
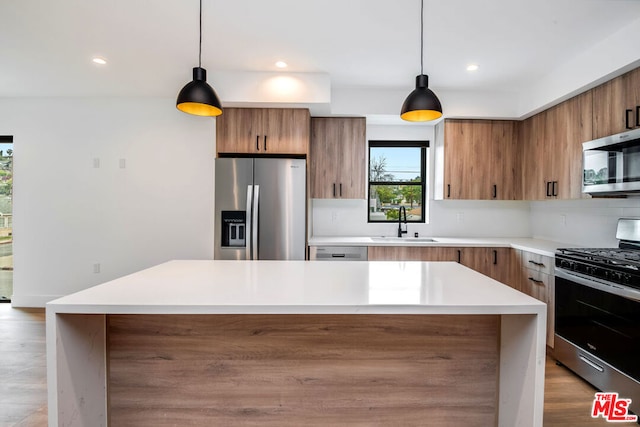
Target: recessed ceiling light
281, 64
472, 67
99, 60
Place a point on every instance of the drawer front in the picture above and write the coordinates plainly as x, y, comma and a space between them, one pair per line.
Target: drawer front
541, 263
537, 285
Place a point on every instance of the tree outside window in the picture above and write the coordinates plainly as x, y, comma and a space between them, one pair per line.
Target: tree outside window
397, 171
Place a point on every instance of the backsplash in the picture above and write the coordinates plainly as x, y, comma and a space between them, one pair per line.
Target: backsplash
451, 218
589, 222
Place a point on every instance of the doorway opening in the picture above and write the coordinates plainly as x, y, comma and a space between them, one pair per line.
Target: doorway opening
6, 218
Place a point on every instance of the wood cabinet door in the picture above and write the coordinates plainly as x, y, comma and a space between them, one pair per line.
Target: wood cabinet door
352, 173
455, 143
493, 262
411, 253
500, 268
468, 152
263, 131
632, 95
506, 165
534, 158
609, 105
482, 160
567, 126
322, 158
236, 130
338, 158
284, 131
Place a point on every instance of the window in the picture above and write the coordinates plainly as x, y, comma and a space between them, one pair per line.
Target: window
397, 177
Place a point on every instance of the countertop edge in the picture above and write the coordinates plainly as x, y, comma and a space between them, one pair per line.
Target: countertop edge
93, 309
537, 246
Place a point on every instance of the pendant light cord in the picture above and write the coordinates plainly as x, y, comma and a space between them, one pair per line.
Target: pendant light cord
421, 37
200, 45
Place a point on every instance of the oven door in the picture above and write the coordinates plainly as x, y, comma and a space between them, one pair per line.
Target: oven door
602, 323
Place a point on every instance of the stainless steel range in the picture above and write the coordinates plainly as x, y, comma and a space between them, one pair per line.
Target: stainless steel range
597, 313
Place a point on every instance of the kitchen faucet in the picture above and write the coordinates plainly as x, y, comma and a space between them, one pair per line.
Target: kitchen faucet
402, 210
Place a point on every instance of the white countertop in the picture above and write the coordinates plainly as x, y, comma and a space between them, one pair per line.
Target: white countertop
539, 246
300, 287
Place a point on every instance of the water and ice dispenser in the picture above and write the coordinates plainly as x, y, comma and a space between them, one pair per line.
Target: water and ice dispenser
234, 229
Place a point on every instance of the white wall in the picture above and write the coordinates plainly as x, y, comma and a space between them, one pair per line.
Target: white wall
451, 218
69, 215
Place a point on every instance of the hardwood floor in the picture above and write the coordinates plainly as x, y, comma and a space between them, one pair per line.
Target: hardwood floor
23, 394
568, 399
23, 379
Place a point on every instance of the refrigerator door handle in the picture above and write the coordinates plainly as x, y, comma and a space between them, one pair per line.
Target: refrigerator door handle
254, 221
249, 226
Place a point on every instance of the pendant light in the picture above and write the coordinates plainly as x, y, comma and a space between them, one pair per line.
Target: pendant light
422, 105
197, 97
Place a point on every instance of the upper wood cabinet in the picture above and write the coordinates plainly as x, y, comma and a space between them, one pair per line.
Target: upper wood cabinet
338, 166
552, 149
616, 105
263, 131
481, 160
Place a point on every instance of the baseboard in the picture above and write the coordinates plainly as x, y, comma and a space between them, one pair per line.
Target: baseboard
32, 301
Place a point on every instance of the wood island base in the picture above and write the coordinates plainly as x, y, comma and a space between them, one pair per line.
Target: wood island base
293, 370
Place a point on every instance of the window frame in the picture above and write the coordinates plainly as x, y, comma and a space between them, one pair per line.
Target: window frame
424, 145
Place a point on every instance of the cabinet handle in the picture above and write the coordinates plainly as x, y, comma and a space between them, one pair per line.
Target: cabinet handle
554, 188
459, 255
637, 115
548, 188
495, 191
334, 189
495, 257
265, 143
448, 190
626, 119
539, 264
340, 189
257, 142
537, 282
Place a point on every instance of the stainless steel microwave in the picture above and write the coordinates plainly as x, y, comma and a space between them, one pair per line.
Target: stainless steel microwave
611, 165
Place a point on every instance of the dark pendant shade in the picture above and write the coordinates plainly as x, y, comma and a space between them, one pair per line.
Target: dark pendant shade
197, 97
422, 105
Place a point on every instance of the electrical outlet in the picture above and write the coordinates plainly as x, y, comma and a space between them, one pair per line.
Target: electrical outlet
563, 218
96, 162
96, 268
460, 217
334, 216
123, 163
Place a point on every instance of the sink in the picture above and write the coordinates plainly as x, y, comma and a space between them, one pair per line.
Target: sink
403, 239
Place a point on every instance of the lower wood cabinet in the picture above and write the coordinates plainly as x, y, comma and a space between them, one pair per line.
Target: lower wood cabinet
524, 271
535, 278
492, 262
411, 253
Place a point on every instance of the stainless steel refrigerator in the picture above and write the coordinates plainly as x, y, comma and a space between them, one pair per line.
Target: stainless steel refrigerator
260, 209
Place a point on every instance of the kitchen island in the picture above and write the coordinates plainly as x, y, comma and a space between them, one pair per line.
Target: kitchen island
297, 343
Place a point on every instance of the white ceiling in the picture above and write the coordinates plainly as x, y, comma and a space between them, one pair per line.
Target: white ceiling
151, 45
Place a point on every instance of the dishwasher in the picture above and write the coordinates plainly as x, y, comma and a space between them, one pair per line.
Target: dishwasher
338, 253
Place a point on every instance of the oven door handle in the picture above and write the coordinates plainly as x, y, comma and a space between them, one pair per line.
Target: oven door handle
624, 292
592, 364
